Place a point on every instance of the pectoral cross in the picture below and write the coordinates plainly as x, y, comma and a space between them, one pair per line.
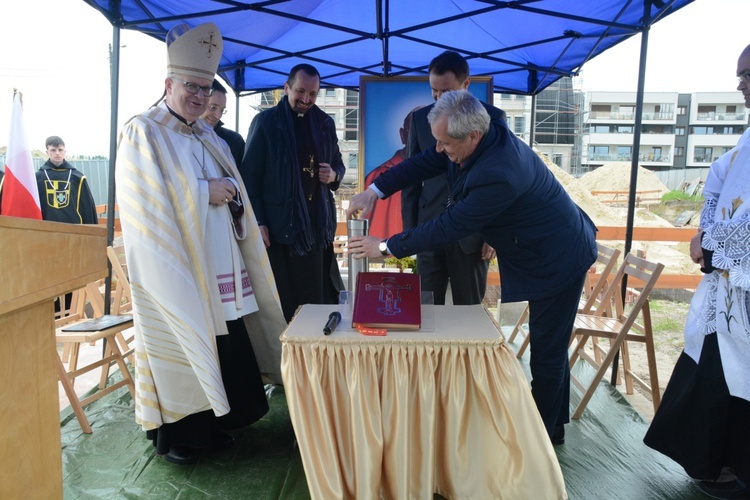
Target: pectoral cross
311, 169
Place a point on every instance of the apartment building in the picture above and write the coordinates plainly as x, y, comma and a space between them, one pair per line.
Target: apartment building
678, 130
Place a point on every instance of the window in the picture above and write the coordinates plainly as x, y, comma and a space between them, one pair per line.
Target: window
706, 109
519, 125
731, 109
624, 129
266, 98
600, 129
598, 152
700, 130
681, 110
679, 151
352, 163
350, 132
657, 154
702, 154
331, 92
679, 131
624, 152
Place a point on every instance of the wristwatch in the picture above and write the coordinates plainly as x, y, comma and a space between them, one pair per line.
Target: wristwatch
383, 248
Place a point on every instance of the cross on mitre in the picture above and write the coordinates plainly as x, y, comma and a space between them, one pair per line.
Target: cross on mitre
209, 42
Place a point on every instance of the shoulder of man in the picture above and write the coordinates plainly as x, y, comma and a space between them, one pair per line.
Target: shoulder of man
421, 113
494, 112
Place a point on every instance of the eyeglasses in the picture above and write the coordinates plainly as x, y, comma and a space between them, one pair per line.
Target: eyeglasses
194, 88
744, 78
216, 109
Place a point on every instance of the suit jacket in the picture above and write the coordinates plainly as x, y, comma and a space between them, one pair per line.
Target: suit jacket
506, 193
426, 200
270, 169
233, 139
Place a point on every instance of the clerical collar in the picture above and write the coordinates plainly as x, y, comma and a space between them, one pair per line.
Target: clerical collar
174, 113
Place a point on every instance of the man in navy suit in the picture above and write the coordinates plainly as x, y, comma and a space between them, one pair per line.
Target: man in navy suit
501, 189
463, 263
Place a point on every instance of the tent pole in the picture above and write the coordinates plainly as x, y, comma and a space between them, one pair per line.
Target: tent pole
114, 64
634, 163
532, 127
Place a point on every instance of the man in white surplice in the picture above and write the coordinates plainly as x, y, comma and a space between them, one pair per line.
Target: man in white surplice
207, 314
708, 395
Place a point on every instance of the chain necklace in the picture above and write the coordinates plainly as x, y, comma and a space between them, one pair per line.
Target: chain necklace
67, 183
202, 162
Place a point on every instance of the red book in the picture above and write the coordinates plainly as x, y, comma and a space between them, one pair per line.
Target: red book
388, 300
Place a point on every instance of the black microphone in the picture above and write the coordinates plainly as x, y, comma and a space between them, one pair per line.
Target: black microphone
332, 323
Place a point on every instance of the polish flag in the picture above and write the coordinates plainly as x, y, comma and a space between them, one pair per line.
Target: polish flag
20, 196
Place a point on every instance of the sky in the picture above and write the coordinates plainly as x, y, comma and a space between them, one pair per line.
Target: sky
56, 52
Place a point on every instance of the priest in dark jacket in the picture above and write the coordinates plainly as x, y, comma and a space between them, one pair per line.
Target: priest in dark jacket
292, 166
501, 189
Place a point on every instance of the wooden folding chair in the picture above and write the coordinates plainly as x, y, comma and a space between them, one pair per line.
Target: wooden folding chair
90, 331
122, 299
606, 257
620, 328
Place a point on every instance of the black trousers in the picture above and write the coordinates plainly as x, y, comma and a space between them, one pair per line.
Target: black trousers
303, 279
245, 393
467, 273
550, 326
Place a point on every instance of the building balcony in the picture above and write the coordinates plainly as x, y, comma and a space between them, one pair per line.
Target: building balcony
713, 117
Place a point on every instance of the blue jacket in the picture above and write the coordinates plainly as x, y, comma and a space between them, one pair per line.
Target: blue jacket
505, 192
271, 171
426, 200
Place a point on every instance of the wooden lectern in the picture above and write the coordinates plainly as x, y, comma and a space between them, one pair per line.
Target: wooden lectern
39, 261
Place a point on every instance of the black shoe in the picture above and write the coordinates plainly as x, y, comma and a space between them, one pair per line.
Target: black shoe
182, 455
726, 490
558, 436
221, 440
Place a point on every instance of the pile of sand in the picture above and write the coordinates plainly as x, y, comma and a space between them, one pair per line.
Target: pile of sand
616, 177
608, 215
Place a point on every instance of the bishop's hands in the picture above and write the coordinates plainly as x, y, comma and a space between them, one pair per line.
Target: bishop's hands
220, 191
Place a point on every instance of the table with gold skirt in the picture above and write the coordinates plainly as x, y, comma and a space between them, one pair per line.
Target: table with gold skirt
447, 410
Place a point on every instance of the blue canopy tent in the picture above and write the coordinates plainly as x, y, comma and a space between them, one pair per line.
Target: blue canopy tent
525, 45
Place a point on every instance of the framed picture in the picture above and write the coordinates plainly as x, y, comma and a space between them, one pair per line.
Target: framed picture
385, 107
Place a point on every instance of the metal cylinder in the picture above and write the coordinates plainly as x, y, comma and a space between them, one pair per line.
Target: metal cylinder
356, 227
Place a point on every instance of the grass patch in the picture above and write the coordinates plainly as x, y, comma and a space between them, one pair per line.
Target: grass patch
680, 196
667, 324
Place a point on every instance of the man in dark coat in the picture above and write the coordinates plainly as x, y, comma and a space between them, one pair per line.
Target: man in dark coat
292, 166
64, 193
463, 263
217, 107
504, 191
